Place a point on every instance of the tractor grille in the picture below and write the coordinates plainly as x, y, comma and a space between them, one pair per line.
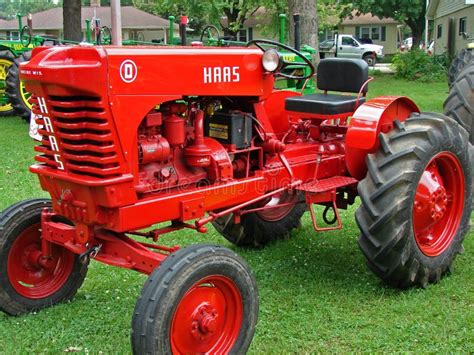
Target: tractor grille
84, 136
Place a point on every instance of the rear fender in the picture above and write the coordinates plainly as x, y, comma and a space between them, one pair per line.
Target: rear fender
370, 119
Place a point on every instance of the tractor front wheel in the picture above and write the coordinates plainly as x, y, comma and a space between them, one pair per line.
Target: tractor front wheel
6, 60
201, 299
27, 281
416, 200
16, 90
259, 228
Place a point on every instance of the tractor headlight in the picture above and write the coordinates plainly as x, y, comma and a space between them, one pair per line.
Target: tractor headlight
271, 60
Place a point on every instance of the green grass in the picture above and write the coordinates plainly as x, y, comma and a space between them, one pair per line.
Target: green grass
316, 294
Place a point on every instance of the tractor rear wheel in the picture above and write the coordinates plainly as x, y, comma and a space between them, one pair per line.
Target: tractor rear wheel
257, 229
201, 300
464, 57
460, 102
16, 90
416, 200
26, 283
6, 60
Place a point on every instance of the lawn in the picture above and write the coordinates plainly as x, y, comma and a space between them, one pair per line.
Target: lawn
316, 294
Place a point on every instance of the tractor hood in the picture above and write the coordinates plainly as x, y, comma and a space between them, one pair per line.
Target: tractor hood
182, 71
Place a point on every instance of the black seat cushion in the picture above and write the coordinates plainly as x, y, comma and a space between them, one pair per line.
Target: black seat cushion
343, 75
323, 104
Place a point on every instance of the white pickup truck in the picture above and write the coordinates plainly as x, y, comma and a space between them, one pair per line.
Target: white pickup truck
350, 47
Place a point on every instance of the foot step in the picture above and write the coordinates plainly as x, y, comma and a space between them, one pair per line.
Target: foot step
328, 184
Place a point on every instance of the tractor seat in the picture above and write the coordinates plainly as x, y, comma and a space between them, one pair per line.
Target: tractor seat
323, 104
334, 74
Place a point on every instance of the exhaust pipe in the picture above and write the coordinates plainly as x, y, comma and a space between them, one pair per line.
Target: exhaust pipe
296, 18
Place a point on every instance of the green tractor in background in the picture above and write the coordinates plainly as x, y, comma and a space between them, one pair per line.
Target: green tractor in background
11, 51
296, 67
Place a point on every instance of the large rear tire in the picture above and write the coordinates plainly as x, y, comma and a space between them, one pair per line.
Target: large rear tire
16, 90
464, 57
6, 61
416, 200
201, 300
257, 229
460, 102
26, 284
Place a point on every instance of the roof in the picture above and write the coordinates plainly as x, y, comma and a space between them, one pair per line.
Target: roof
260, 17
132, 18
367, 19
440, 8
431, 10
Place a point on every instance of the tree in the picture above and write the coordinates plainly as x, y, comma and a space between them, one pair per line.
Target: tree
308, 20
410, 12
9, 8
209, 12
72, 20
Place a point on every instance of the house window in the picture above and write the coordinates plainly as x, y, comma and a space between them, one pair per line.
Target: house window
375, 33
13, 35
462, 25
439, 31
245, 34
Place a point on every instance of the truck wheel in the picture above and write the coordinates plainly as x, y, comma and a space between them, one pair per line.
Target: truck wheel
370, 59
416, 200
257, 229
25, 284
6, 60
460, 102
202, 299
16, 90
464, 57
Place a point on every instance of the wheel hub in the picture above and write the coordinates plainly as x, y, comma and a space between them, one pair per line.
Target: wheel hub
205, 322
438, 203
30, 273
208, 317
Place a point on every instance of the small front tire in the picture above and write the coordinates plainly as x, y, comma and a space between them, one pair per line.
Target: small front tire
26, 284
201, 299
260, 228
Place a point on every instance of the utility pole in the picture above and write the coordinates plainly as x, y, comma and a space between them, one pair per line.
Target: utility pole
116, 16
426, 26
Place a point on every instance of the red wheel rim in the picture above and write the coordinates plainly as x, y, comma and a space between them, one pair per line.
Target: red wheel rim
208, 317
30, 275
438, 205
278, 213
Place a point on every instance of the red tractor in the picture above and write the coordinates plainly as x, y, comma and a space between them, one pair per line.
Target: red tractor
133, 137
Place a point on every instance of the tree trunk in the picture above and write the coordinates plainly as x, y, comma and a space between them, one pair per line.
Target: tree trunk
417, 27
72, 20
308, 23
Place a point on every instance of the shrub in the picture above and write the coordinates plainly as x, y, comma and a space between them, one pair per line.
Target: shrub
418, 65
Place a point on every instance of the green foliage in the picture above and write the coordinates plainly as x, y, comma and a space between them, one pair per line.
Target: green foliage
107, 2
201, 13
418, 65
410, 12
9, 8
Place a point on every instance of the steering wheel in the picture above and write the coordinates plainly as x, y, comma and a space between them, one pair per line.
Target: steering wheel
25, 36
206, 31
306, 62
104, 36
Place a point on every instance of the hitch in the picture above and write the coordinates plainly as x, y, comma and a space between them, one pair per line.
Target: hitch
90, 254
